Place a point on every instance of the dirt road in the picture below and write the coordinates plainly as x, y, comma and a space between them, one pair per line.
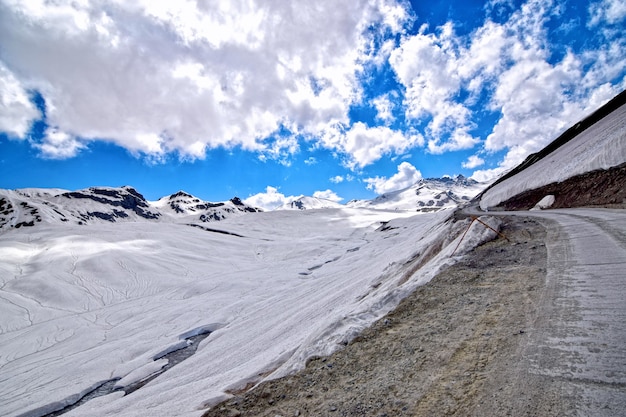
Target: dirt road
580, 328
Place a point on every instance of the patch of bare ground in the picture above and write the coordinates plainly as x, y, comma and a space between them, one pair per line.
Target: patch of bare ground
455, 347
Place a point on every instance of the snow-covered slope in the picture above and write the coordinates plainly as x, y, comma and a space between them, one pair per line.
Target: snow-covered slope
309, 203
427, 195
28, 207
600, 146
103, 303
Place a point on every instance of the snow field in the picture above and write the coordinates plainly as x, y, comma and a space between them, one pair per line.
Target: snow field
81, 305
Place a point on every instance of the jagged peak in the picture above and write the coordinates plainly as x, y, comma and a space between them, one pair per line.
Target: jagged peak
179, 194
237, 201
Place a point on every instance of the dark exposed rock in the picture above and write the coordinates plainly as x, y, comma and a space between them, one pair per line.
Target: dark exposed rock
211, 217
180, 194
237, 201
208, 229
127, 198
108, 216
205, 206
298, 204
30, 223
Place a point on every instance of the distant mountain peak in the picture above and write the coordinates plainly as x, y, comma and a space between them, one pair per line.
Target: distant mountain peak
426, 195
185, 204
309, 203
180, 194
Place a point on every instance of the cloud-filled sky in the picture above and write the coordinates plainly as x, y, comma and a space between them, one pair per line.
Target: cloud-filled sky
272, 99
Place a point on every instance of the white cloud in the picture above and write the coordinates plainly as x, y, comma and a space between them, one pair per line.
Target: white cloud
16, 110
310, 161
270, 199
365, 145
59, 145
327, 195
483, 175
473, 162
538, 99
337, 179
610, 11
433, 68
459, 139
384, 108
512, 64
157, 77
406, 176
186, 76
424, 64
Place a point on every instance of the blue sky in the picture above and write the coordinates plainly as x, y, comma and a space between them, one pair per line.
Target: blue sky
267, 100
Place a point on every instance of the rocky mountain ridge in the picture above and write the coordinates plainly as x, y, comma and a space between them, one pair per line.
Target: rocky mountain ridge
30, 206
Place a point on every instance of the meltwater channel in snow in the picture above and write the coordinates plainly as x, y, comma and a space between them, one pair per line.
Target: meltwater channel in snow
105, 303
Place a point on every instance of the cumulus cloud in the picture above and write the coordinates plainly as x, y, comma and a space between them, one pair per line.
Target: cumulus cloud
337, 179
187, 77
17, 112
270, 199
473, 162
538, 99
59, 145
327, 195
429, 67
512, 64
611, 11
365, 144
406, 176
159, 77
384, 108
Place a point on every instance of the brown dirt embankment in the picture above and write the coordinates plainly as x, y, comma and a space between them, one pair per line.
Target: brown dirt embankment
600, 188
454, 347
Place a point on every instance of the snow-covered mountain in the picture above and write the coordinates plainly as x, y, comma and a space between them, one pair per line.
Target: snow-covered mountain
27, 207
426, 196
183, 204
309, 203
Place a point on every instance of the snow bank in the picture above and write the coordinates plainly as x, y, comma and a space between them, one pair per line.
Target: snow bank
601, 146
